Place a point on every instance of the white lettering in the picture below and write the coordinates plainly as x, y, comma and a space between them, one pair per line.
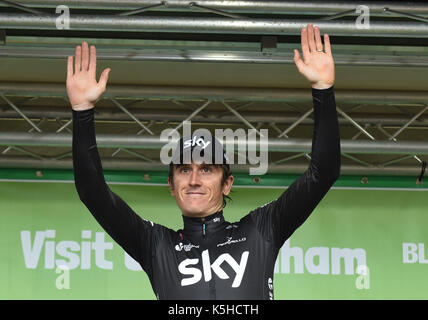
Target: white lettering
185, 310
228, 135
196, 153
131, 264
194, 272
226, 309
286, 253
317, 260
276, 268
363, 281
349, 255
86, 250
203, 138
50, 250
172, 136
410, 254
69, 250
63, 21
323, 263
422, 254
363, 20
100, 246
207, 267
73, 258
252, 151
63, 280
32, 252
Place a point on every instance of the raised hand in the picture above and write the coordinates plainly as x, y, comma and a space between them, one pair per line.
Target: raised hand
82, 87
317, 65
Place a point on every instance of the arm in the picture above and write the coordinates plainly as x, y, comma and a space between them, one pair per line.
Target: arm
133, 234
278, 219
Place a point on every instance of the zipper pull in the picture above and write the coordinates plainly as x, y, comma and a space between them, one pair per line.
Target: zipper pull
203, 229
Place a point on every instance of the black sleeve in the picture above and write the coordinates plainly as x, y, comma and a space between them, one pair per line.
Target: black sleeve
277, 220
134, 234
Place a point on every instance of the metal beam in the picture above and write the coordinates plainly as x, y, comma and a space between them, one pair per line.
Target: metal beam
111, 164
262, 7
155, 142
177, 53
212, 25
408, 123
210, 117
20, 7
383, 97
13, 106
126, 111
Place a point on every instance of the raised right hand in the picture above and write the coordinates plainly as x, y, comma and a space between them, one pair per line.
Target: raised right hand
82, 87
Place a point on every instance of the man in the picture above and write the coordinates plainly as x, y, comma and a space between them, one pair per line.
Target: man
209, 258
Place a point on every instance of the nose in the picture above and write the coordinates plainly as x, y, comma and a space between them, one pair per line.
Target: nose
195, 179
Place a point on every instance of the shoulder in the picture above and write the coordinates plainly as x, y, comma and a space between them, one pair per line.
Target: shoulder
160, 232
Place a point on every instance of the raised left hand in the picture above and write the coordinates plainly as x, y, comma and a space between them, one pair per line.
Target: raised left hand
317, 65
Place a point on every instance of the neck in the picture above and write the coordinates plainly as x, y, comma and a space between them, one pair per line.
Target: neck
202, 215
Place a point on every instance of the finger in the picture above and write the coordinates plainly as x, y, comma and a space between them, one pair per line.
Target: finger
318, 42
85, 56
93, 61
103, 79
69, 66
311, 38
327, 44
304, 43
77, 59
298, 61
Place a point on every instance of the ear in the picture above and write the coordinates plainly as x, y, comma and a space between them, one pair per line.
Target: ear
171, 187
228, 185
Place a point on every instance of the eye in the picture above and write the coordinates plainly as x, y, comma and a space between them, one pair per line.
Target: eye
206, 169
184, 170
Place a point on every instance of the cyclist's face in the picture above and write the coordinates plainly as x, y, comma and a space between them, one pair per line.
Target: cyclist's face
198, 190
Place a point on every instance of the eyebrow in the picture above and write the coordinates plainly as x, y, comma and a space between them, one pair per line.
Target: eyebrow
181, 165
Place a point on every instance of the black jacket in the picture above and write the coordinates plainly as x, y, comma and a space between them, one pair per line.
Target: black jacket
211, 259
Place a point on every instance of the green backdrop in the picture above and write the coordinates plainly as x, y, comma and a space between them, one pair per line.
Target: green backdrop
386, 229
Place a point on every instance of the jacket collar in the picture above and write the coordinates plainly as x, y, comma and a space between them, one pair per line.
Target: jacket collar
209, 223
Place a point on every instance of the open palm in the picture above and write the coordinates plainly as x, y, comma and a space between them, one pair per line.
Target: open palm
317, 66
82, 87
